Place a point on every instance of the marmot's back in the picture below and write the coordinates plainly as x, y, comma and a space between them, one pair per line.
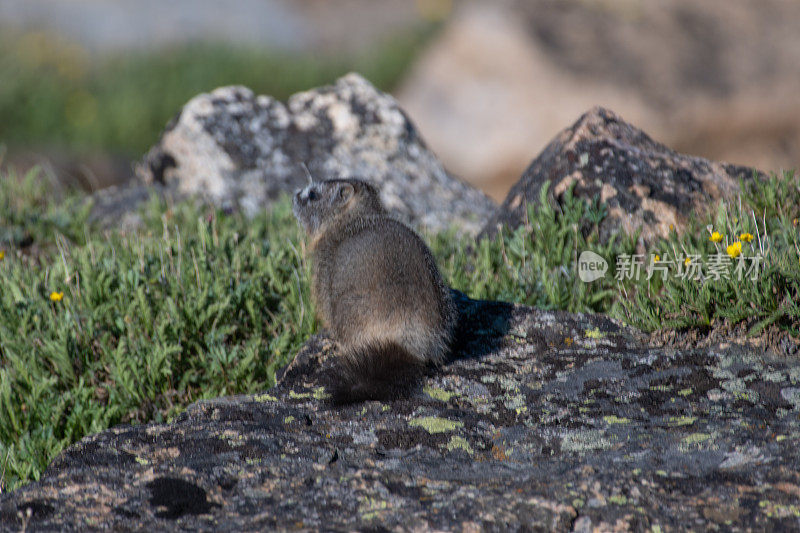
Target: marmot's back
395, 283
376, 287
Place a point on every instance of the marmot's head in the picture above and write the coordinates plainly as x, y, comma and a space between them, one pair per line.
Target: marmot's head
323, 202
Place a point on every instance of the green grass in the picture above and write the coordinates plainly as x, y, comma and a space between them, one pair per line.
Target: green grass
538, 271
769, 211
54, 93
200, 304
535, 264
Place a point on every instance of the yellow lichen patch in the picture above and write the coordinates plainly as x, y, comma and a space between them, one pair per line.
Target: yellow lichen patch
433, 424
696, 438
681, 420
371, 508
299, 395
459, 443
746, 395
778, 510
320, 394
613, 419
662, 388
265, 398
288, 419
438, 394
594, 333
618, 499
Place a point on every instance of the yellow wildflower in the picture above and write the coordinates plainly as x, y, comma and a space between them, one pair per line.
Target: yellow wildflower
2, 255
735, 249
746, 237
656, 258
56, 296
715, 237
671, 227
687, 261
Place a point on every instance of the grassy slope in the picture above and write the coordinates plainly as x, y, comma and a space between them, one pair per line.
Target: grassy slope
202, 304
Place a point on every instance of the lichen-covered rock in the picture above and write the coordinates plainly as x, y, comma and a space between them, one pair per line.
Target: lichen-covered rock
645, 185
542, 420
241, 150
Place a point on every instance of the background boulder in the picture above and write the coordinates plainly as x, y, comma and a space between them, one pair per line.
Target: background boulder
240, 150
645, 185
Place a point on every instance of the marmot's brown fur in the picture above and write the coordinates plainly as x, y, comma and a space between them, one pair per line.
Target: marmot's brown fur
376, 288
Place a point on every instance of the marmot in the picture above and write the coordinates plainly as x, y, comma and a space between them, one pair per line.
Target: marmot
376, 288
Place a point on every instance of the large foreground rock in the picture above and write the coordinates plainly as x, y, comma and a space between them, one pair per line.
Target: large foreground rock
240, 150
644, 184
543, 420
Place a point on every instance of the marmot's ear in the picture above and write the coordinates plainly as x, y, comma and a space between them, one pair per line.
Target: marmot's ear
346, 191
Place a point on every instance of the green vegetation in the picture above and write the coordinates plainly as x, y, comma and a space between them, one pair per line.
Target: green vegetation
540, 270
55, 93
98, 329
537, 271
765, 223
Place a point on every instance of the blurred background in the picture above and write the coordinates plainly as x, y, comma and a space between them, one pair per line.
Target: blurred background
86, 86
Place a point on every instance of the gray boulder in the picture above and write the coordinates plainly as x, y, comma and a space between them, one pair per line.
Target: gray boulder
645, 185
240, 150
541, 421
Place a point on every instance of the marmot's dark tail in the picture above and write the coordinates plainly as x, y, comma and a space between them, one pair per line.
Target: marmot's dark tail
378, 371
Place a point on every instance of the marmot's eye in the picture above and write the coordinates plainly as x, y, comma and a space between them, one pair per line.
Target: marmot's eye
313, 196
